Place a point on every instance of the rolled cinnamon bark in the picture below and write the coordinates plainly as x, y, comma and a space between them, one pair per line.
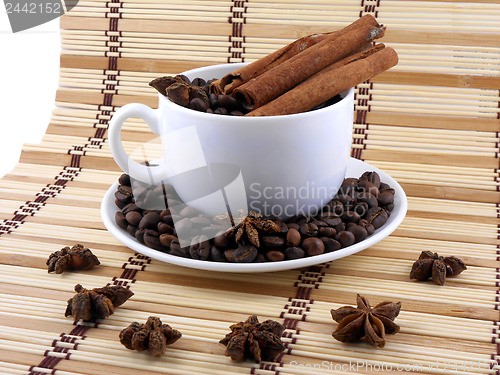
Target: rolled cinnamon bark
240, 76
331, 81
297, 69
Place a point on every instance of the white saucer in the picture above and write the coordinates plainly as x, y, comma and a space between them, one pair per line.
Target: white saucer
355, 169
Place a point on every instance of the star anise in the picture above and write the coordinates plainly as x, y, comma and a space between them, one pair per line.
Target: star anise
251, 225
254, 340
77, 257
430, 264
97, 302
153, 335
366, 323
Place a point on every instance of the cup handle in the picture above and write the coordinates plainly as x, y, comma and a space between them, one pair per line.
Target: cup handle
147, 174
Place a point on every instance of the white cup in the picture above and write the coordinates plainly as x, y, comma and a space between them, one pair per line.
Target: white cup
278, 165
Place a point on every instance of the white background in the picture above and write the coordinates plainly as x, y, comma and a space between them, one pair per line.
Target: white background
29, 72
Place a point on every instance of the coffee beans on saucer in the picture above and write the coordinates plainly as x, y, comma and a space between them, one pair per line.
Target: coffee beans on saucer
361, 206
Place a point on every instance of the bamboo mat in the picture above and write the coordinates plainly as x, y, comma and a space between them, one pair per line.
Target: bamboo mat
432, 122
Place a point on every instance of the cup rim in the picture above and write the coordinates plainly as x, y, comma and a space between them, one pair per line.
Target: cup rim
243, 119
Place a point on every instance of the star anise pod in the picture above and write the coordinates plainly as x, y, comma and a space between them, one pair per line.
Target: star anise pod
366, 323
254, 340
153, 335
97, 302
430, 264
77, 257
250, 227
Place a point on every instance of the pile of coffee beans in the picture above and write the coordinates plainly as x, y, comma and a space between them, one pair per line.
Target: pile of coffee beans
361, 206
199, 97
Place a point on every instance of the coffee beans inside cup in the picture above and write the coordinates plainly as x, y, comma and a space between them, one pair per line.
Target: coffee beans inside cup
361, 206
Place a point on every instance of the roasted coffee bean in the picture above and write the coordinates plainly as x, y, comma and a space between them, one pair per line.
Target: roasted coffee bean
245, 254
389, 207
209, 110
222, 240
216, 255
294, 253
366, 197
228, 102
149, 221
373, 177
151, 239
368, 226
339, 228
220, 111
313, 246
164, 228
198, 104
320, 223
377, 217
236, 113
183, 226
275, 256
334, 206
293, 225
308, 230
350, 216
133, 218
168, 219
189, 211
130, 207
125, 190
184, 78
366, 186
166, 239
164, 213
139, 233
120, 220
200, 248
123, 197
119, 204
214, 102
346, 200
198, 82
330, 244
229, 255
333, 220
383, 185
385, 197
359, 232
348, 186
200, 222
293, 237
124, 180
327, 232
272, 242
176, 249
361, 208
346, 238
260, 258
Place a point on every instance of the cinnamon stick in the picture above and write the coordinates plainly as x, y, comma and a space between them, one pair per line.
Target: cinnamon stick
295, 70
331, 81
240, 76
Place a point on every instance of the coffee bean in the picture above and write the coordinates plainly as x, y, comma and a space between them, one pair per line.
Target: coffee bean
389, 207
164, 228
166, 239
272, 242
183, 226
151, 239
139, 233
168, 219
176, 249
361, 209
209, 110
327, 232
383, 185
373, 177
184, 78
200, 222
245, 254
294, 253
333, 221
366, 186
368, 226
283, 228
149, 221
293, 225
385, 197
350, 216
348, 186
119, 204
320, 223
236, 113
367, 198
222, 241
359, 232
308, 230
200, 248
377, 217
216, 255
133, 217
228, 102
334, 206
293, 237
130, 207
346, 238
330, 244
214, 102
125, 190
124, 180
198, 82
189, 211
229, 255
123, 197
260, 258
346, 200
275, 256
220, 111
313, 246
120, 220
198, 105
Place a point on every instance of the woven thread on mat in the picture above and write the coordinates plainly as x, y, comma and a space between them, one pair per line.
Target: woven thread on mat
236, 39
